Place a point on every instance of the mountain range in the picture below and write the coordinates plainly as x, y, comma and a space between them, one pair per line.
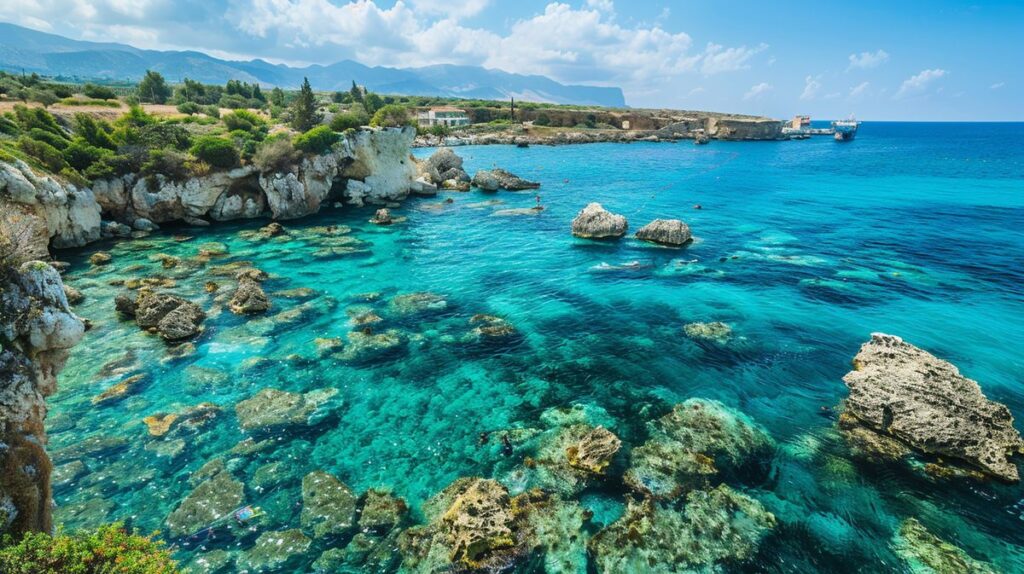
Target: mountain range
49, 54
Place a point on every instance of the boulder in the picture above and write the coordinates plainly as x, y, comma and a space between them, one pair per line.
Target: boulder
417, 303
715, 332
170, 316
489, 326
700, 439
666, 232
495, 179
249, 297
926, 553
595, 222
273, 410
282, 551
328, 505
715, 528
100, 258
381, 511
905, 393
382, 217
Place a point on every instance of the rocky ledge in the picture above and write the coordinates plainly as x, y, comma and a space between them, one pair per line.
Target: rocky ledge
903, 396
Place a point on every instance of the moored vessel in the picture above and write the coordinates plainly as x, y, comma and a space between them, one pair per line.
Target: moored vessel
845, 130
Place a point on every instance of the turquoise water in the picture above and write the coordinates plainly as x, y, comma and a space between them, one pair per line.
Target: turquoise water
803, 248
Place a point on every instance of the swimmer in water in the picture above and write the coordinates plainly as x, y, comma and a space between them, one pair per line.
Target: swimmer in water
506, 445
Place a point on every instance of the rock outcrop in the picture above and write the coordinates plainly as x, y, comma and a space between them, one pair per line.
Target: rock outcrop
249, 297
666, 232
37, 331
926, 553
901, 392
273, 411
596, 222
444, 169
495, 179
368, 166
169, 316
328, 505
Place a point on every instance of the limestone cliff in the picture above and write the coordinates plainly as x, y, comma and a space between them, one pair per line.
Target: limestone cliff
37, 330
366, 166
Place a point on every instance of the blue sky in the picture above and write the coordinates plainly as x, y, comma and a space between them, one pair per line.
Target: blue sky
936, 60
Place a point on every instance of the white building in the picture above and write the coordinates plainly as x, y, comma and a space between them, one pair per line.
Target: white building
443, 116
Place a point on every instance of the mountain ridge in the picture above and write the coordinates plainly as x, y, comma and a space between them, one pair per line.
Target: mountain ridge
52, 54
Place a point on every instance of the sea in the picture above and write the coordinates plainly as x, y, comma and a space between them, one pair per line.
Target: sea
803, 248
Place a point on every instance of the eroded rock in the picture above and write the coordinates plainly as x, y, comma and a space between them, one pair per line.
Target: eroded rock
596, 222
666, 232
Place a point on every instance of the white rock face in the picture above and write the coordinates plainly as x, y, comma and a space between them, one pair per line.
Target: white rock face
70, 215
596, 222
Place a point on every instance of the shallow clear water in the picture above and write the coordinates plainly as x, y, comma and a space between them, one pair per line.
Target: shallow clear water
804, 248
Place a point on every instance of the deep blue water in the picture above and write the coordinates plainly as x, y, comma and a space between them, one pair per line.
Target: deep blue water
804, 248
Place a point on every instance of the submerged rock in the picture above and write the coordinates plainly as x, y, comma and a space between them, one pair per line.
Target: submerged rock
382, 217
213, 500
249, 297
491, 327
381, 511
122, 389
695, 442
596, 222
367, 345
328, 505
925, 553
666, 232
280, 551
715, 527
571, 457
715, 331
273, 410
100, 258
170, 316
901, 392
415, 303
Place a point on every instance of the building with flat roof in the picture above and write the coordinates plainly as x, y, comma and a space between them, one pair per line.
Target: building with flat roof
447, 116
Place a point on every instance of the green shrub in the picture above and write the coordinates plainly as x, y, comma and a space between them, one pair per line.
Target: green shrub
170, 163
212, 110
276, 155
316, 140
128, 160
98, 103
234, 101
136, 117
48, 155
216, 151
391, 115
242, 120
164, 135
58, 141
45, 97
348, 120
8, 126
98, 92
95, 132
73, 177
80, 154
29, 118
542, 120
108, 550
189, 108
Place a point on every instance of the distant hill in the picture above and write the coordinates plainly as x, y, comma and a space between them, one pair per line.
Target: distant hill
53, 55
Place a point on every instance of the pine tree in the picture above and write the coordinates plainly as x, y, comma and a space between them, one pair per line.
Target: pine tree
357, 94
304, 114
257, 94
277, 96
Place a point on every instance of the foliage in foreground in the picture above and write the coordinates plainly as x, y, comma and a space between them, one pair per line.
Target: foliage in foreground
109, 550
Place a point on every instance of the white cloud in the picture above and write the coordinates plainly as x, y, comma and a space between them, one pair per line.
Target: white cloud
603, 5
997, 85
811, 88
450, 8
718, 59
918, 83
866, 60
859, 90
757, 91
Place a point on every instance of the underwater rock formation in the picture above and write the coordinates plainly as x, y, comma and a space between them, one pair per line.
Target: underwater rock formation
596, 222
416, 303
273, 411
901, 392
169, 316
213, 500
381, 511
715, 332
696, 442
37, 331
491, 327
925, 553
666, 232
382, 217
715, 527
495, 179
275, 552
328, 505
571, 457
249, 297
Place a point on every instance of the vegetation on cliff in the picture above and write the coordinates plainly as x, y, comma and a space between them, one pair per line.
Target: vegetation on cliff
109, 549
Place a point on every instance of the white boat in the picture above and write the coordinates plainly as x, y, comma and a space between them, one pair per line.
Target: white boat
845, 130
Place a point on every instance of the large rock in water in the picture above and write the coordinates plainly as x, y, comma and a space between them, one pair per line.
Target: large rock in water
274, 411
596, 222
898, 390
170, 316
328, 505
666, 231
495, 179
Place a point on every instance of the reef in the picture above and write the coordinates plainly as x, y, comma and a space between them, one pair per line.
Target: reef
699, 441
903, 394
671, 232
715, 527
715, 332
596, 222
925, 553
37, 331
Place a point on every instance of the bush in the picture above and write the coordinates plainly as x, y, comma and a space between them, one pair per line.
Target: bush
8, 126
170, 163
542, 120
316, 140
348, 120
29, 118
164, 135
218, 152
95, 132
242, 120
98, 92
81, 154
212, 110
58, 141
98, 103
45, 97
110, 549
189, 108
48, 155
234, 101
391, 115
276, 155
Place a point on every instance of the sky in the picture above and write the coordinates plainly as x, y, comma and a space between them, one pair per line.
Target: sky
934, 60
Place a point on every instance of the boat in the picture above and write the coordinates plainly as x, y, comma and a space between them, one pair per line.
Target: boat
845, 130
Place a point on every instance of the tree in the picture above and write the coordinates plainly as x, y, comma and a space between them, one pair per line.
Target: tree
372, 102
98, 92
153, 88
257, 94
357, 94
304, 114
277, 96
389, 116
